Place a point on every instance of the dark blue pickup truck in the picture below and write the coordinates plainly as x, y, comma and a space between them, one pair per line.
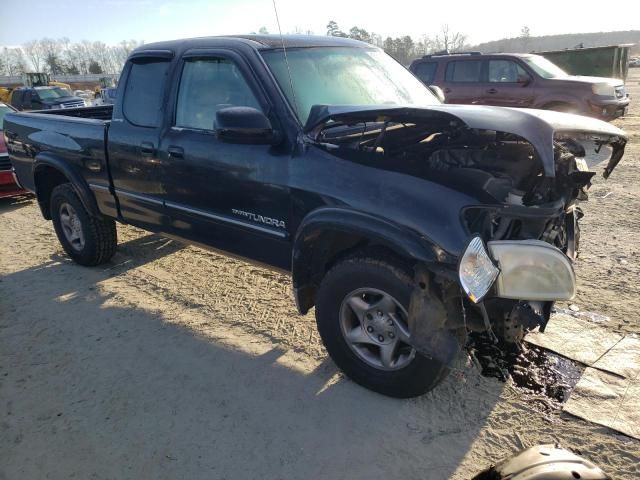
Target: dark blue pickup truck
405, 222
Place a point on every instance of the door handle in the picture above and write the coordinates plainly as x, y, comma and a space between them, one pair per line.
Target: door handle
492, 90
147, 149
175, 152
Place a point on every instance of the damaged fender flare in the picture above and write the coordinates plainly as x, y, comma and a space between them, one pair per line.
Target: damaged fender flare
326, 232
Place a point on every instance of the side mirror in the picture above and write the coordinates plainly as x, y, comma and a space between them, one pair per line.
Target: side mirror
244, 125
437, 91
524, 80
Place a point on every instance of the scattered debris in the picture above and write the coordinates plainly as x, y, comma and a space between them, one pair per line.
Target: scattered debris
592, 316
576, 338
543, 376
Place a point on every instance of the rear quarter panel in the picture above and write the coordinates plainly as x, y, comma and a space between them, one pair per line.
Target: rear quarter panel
74, 144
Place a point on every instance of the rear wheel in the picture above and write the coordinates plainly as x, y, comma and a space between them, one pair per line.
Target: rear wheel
87, 239
361, 312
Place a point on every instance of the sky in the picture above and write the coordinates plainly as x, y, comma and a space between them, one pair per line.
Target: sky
111, 21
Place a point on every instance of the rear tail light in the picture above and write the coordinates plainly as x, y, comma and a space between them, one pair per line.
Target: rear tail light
3, 146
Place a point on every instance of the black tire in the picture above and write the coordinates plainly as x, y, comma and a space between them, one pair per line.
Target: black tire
99, 233
390, 276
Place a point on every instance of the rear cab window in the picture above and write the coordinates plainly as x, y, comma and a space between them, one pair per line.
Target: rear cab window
144, 92
426, 72
464, 71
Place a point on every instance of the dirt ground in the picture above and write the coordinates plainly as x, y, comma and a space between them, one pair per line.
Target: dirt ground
174, 362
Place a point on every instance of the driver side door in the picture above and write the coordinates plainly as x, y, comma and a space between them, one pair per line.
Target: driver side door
230, 196
508, 84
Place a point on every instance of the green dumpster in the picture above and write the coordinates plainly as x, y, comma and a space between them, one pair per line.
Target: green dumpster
609, 61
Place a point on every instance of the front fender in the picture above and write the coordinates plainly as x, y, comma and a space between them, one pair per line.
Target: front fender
46, 160
326, 232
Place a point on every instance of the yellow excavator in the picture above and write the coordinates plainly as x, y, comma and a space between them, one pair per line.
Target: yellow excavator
105, 82
33, 79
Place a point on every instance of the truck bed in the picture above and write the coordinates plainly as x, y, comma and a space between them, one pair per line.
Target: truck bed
72, 140
102, 112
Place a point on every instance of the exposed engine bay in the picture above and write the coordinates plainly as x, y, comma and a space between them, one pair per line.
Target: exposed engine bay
527, 177
501, 170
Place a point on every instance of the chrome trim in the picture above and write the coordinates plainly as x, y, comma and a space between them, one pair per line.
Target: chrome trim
142, 198
15, 178
224, 218
100, 188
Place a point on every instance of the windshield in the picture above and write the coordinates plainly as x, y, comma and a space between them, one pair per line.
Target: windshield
51, 93
345, 76
3, 111
544, 67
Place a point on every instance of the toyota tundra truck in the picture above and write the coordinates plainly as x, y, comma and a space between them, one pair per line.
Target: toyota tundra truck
406, 223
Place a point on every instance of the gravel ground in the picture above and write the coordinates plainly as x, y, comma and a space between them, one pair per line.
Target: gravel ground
175, 362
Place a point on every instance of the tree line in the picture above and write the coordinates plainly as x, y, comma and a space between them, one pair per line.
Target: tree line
63, 57
405, 48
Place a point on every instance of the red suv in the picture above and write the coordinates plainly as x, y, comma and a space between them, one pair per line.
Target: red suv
520, 80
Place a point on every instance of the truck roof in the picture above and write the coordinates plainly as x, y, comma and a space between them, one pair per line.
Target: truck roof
260, 42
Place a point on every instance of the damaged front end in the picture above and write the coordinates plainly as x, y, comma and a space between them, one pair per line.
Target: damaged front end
527, 169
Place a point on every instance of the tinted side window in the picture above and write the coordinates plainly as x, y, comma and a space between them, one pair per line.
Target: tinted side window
464, 71
144, 92
16, 98
426, 72
206, 86
503, 71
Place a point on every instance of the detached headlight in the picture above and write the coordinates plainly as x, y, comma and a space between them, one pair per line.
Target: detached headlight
476, 270
532, 270
603, 89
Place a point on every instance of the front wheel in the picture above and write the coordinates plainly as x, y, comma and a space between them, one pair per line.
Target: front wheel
361, 312
88, 240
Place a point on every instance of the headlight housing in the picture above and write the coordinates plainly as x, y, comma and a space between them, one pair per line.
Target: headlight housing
532, 270
603, 89
476, 270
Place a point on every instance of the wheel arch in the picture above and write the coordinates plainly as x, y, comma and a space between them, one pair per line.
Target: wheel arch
49, 171
327, 235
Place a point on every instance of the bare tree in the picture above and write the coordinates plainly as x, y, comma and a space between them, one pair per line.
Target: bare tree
449, 40
33, 52
525, 37
424, 46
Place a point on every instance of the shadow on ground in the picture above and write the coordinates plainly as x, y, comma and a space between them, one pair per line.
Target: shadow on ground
92, 388
13, 203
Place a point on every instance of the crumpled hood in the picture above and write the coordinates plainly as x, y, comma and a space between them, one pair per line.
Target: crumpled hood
538, 127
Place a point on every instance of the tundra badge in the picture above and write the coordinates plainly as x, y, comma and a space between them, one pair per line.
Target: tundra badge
259, 218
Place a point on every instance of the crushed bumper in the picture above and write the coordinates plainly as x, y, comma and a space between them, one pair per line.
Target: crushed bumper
609, 110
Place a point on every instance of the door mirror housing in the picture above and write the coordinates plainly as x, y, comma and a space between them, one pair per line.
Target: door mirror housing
437, 91
524, 80
245, 125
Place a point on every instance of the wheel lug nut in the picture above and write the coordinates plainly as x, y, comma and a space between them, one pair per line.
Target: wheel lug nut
390, 322
370, 329
379, 313
381, 338
391, 335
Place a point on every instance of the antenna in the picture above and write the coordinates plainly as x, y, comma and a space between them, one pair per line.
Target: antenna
286, 60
